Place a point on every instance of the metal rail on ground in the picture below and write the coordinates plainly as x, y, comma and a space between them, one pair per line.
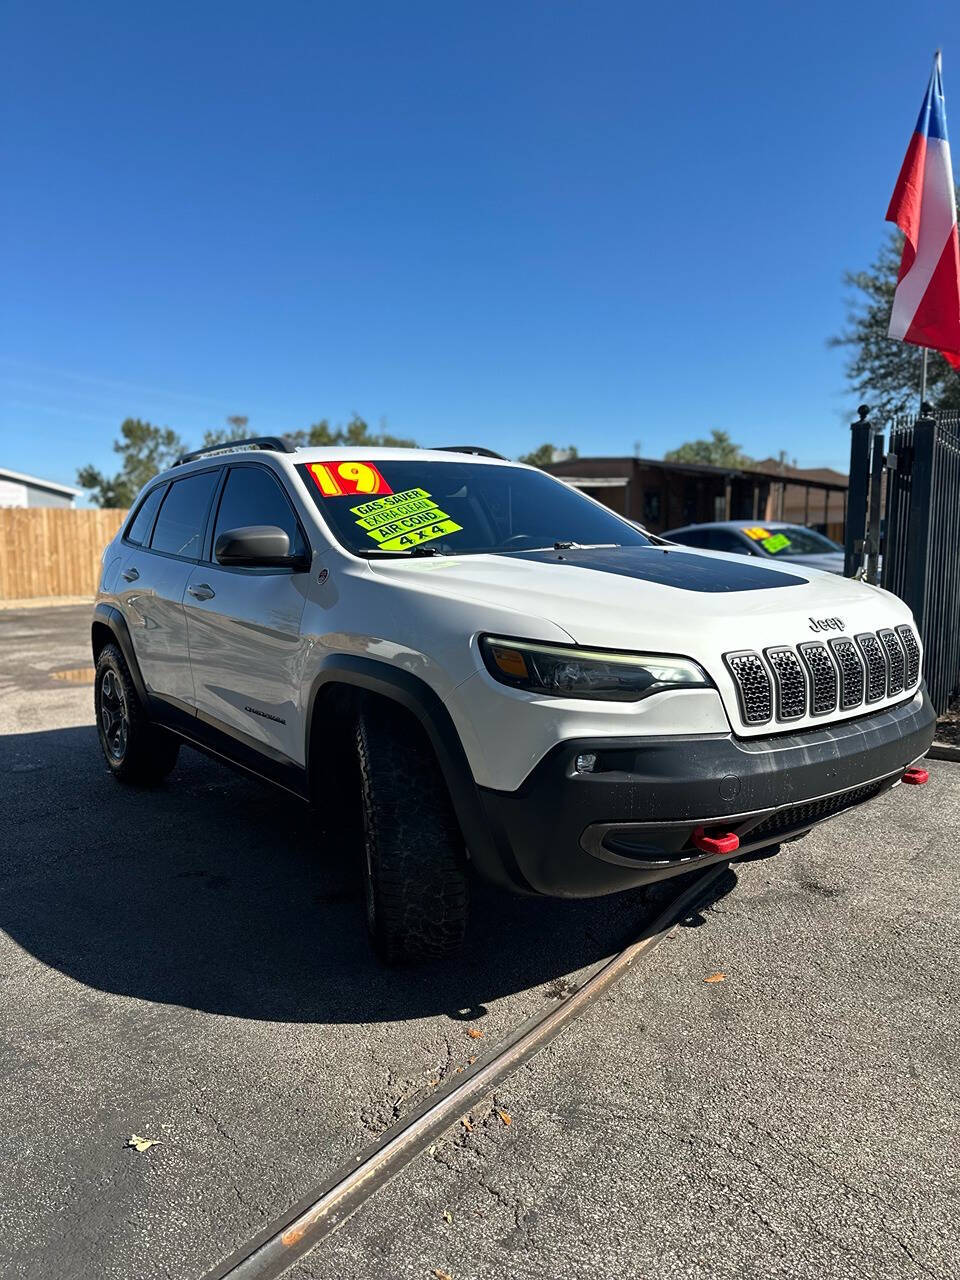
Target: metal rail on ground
299, 1230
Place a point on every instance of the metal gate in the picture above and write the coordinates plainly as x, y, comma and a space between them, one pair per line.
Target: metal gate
903, 529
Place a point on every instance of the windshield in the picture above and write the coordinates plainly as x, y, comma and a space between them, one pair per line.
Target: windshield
456, 508
793, 540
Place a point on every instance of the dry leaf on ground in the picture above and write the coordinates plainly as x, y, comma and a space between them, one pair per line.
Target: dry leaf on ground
141, 1144
474, 1033
716, 977
505, 1116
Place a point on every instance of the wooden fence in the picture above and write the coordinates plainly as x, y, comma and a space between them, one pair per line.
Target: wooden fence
53, 551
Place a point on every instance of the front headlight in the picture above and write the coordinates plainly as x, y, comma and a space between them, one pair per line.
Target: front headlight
587, 673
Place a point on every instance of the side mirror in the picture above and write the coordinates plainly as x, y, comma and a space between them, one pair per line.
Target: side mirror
257, 546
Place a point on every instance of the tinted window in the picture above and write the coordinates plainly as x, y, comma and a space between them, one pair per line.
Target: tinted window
457, 508
795, 540
689, 538
179, 527
142, 523
713, 540
252, 496
727, 540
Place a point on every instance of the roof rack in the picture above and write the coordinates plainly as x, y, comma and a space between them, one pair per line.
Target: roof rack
277, 443
470, 448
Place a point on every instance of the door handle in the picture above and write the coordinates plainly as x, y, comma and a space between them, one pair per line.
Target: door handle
130, 575
201, 591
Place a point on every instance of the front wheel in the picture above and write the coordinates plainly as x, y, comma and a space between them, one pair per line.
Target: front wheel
134, 749
415, 874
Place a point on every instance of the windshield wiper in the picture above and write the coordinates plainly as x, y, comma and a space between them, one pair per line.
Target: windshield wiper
367, 552
558, 546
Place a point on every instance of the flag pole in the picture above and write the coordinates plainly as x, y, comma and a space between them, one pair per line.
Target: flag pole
938, 64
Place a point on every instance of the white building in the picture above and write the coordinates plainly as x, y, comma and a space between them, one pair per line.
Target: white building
18, 490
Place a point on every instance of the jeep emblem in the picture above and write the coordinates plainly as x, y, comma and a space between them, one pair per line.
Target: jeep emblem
827, 624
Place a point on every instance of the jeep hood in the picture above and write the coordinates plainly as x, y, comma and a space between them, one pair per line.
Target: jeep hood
657, 598
699, 604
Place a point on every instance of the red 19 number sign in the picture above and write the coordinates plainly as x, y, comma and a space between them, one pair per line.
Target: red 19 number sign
339, 479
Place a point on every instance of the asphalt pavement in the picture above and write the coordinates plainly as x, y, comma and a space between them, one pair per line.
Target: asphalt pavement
188, 964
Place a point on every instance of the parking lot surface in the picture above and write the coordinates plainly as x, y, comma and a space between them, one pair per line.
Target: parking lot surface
188, 964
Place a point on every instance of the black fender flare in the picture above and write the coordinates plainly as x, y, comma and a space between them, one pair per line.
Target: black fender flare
109, 616
487, 845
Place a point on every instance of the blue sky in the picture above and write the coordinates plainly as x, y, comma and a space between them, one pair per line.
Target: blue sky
598, 223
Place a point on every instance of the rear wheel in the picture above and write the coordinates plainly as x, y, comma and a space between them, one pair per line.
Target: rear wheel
135, 750
415, 874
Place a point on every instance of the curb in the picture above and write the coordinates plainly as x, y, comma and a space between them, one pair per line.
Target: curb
944, 751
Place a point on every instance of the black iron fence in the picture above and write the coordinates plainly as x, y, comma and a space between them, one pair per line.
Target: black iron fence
903, 528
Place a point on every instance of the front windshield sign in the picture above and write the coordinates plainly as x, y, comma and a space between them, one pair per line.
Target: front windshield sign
403, 520
394, 506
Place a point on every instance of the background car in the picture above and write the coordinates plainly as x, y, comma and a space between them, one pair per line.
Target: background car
770, 539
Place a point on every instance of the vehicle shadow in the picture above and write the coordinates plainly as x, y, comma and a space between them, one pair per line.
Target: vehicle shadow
215, 893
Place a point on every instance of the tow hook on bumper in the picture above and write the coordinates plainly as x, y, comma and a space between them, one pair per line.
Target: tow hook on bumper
719, 842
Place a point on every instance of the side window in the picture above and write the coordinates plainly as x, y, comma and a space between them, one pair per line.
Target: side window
179, 527
142, 523
252, 496
727, 540
693, 538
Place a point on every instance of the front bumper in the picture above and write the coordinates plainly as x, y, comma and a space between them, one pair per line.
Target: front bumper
629, 822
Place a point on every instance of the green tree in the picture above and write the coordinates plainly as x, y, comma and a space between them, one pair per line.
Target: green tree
236, 429
145, 450
355, 432
718, 451
547, 453
884, 372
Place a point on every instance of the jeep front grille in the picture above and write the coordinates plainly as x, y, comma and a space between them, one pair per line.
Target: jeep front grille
753, 686
876, 661
823, 677
818, 679
789, 681
895, 661
912, 650
848, 662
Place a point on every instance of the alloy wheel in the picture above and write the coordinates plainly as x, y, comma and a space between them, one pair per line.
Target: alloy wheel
114, 721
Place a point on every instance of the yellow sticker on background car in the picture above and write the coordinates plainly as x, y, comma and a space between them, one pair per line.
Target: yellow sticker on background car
757, 533
776, 543
404, 520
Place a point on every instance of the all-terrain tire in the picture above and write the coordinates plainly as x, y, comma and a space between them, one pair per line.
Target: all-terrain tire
414, 863
135, 750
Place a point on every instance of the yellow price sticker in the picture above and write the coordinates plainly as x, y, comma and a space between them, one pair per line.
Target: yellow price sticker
404, 520
776, 543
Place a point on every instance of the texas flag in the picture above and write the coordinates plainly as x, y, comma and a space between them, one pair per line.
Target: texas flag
926, 305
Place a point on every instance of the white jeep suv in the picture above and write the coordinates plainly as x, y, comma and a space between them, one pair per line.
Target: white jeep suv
461, 660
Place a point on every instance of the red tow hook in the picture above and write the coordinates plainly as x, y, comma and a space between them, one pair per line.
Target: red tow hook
915, 776
723, 842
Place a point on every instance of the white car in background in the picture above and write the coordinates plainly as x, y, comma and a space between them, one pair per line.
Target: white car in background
774, 539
